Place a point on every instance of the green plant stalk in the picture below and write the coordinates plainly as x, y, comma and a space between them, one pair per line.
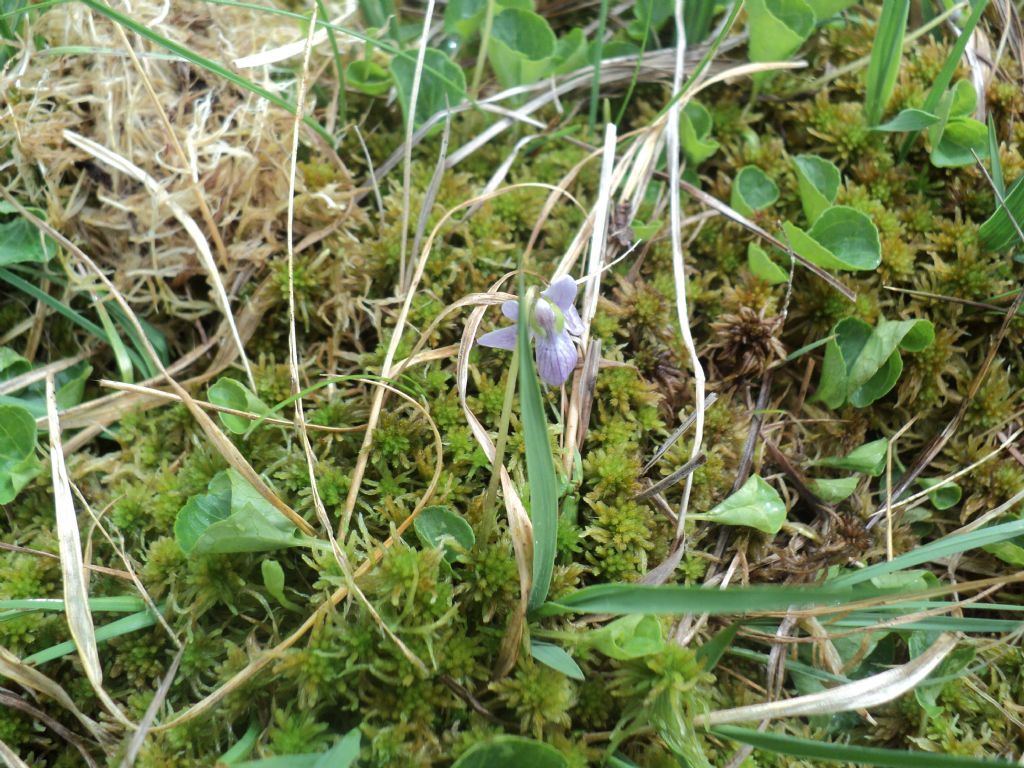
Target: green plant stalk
595, 57
490, 514
636, 76
883, 69
946, 74
124, 363
339, 67
485, 41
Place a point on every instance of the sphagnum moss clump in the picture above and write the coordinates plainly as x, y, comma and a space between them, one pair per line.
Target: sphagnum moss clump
451, 613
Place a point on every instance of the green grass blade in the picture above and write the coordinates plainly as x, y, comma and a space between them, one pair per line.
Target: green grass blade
124, 626
931, 103
540, 466
823, 750
596, 51
115, 604
201, 61
885, 58
950, 545
993, 154
672, 599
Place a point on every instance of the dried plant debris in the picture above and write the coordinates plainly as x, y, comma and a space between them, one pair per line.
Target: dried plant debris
451, 554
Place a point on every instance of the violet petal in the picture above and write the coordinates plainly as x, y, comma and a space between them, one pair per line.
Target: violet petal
562, 292
510, 309
573, 322
503, 338
556, 358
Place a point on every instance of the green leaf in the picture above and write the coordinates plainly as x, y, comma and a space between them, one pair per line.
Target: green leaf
763, 267
442, 83
377, 12
70, 384
752, 190
713, 650
823, 9
868, 459
840, 238
694, 131
231, 393
993, 152
343, 754
648, 17
908, 120
815, 749
862, 364
540, 466
777, 28
368, 77
834, 491
522, 47
273, 580
755, 505
886, 52
819, 181
511, 752
571, 52
20, 241
18, 461
440, 527
630, 637
944, 497
998, 232
962, 138
232, 517
551, 655
673, 599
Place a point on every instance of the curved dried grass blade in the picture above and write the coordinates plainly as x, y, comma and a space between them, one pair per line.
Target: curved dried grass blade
860, 694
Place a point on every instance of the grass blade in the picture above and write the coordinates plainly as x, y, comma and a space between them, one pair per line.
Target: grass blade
885, 58
115, 604
123, 626
540, 466
672, 599
845, 753
950, 545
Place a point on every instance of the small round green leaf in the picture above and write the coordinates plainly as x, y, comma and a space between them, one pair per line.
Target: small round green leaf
841, 238
752, 190
818, 181
441, 527
511, 752
367, 77
763, 267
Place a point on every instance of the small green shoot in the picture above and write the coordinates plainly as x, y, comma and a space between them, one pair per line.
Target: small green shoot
755, 505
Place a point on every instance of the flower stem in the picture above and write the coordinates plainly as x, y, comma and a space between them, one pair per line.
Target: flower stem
489, 515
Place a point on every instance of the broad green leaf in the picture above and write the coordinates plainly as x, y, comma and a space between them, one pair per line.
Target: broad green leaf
1011, 552
571, 52
932, 551
886, 52
815, 749
627, 638
710, 652
442, 83
862, 364
232, 517
511, 752
755, 505
868, 459
673, 599
20, 241
964, 99
273, 580
752, 190
368, 77
231, 393
694, 132
648, 17
944, 497
522, 47
343, 754
908, 120
962, 138
777, 28
18, 461
441, 527
763, 267
464, 17
823, 9
998, 232
540, 466
840, 238
551, 655
12, 364
819, 181
70, 384
834, 491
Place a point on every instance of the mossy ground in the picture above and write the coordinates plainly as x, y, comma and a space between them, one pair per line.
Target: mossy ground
345, 673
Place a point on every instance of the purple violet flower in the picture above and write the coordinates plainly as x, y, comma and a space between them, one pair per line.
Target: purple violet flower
554, 323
